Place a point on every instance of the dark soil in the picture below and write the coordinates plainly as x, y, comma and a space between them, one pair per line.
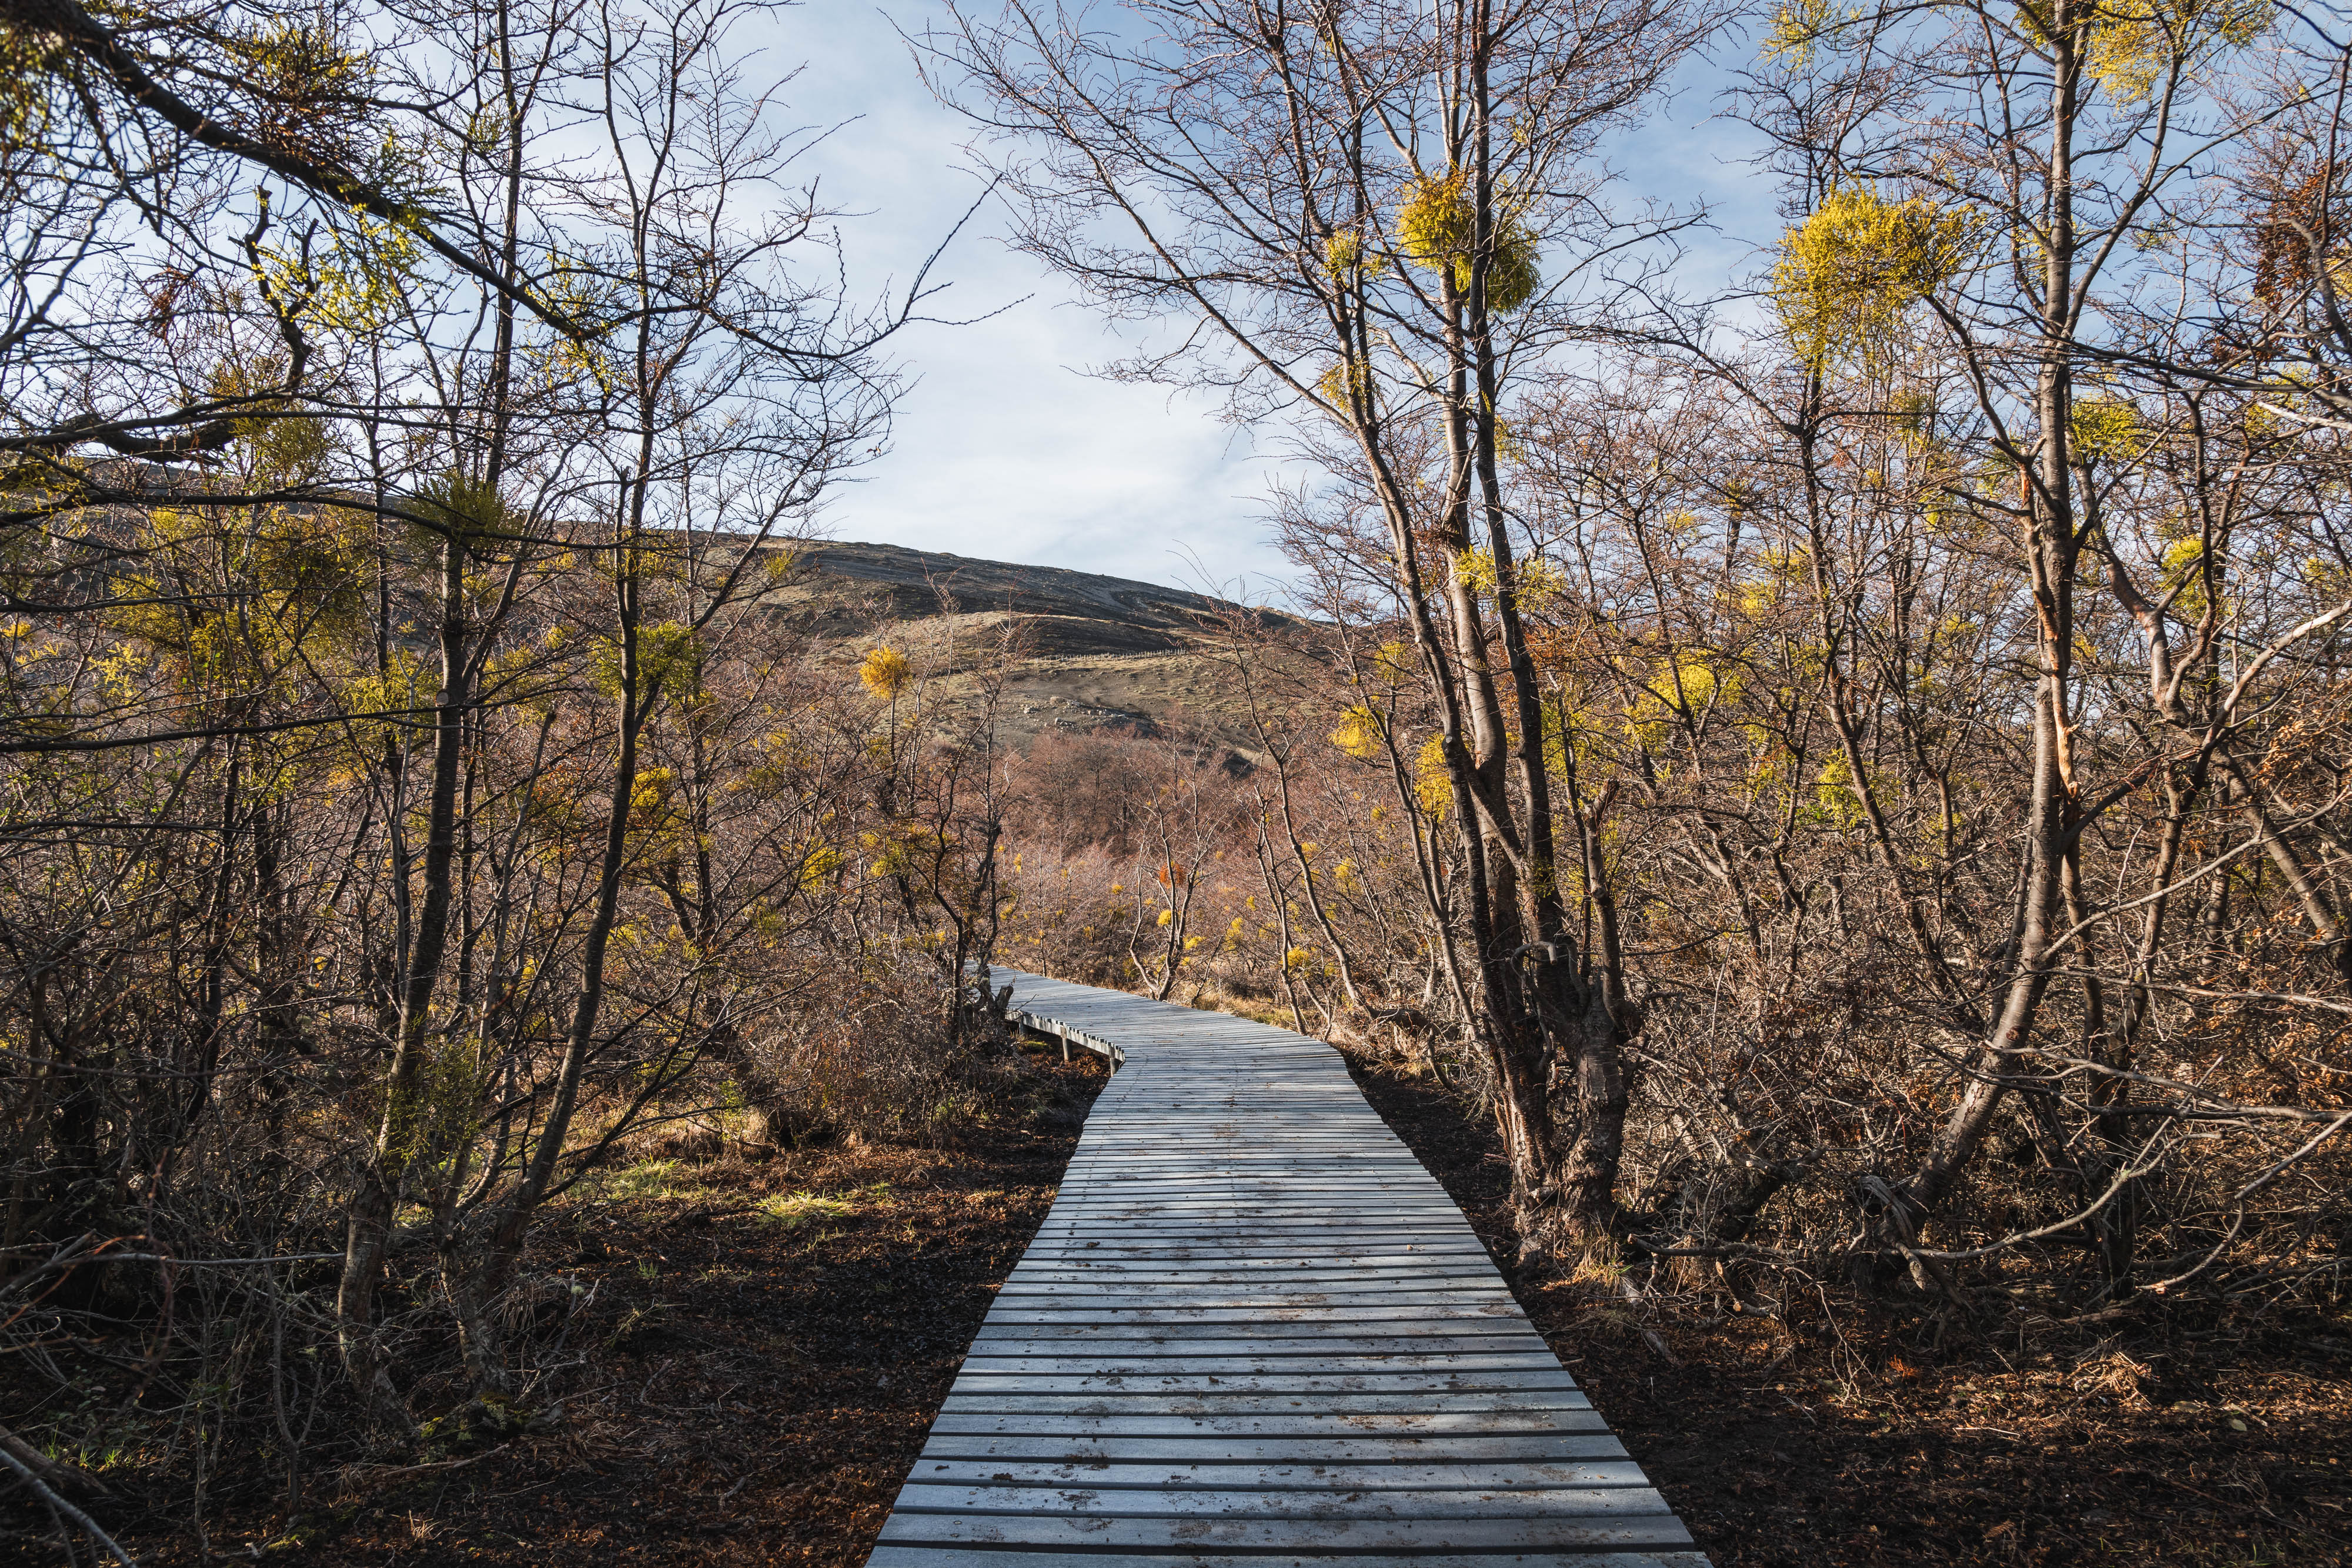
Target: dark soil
763, 1376
1846, 1441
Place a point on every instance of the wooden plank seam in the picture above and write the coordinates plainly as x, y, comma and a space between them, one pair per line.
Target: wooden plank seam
1252, 1329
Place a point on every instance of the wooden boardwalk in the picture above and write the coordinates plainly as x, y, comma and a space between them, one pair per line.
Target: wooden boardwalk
1252, 1329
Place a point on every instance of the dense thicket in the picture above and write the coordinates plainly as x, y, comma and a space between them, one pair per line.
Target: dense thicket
407, 789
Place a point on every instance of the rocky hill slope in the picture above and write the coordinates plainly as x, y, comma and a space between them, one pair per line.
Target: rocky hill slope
1094, 653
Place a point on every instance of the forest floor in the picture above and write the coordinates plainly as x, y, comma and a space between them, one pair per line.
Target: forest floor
775, 1337
774, 1340
1850, 1443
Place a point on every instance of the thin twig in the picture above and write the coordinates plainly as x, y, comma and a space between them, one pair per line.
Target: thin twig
57, 1504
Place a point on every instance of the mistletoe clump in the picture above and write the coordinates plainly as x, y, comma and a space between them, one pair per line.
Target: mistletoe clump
1437, 227
1851, 272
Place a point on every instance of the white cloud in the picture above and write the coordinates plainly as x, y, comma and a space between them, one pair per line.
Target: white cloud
1003, 449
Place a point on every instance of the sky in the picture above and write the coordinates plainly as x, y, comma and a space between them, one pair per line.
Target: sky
1004, 447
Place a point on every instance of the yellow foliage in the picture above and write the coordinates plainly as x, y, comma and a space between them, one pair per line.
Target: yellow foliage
1915, 416
1437, 227
119, 671
311, 89
1684, 687
669, 656
1539, 582
2105, 429
26, 61
1758, 598
278, 442
1347, 387
1576, 743
405, 685
2183, 567
1297, 958
819, 866
1508, 447
355, 285
306, 573
1797, 32
1345, 256
457, 507
1850, 273
907, 851
886, 672
1841, 803
314, 558
2127, 46
650, 799
1167, 917
1433, 784
2126, 54
583, 293
1360, 732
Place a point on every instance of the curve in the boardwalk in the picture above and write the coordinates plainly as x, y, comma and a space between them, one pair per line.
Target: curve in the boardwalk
1252, 1329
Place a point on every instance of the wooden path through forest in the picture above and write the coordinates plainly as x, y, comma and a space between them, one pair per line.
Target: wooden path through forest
1252, 1329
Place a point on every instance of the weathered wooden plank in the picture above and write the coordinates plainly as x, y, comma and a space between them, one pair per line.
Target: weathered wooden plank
1193, 1252
1056, 1252
1269, 1343
1324, 1243
1249, 1220
1297, 1474
1449, 1447
1225, 1385
1428, 1421
1321, 1228
1461, 1264
1452, 1273
1279, 1192
1109, 1296
1265, 1374
1203, 1290
953, 1556
1266, 1299
1229, 1217
1265, 1229
1061, 1500
1088, 1284
1150, 1309
1034, 1320
1350, 1402
1413, 1536
1159, 1341
1108, 1265
1241, 1275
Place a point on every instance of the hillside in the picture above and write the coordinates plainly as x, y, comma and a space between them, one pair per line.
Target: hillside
1099, 653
